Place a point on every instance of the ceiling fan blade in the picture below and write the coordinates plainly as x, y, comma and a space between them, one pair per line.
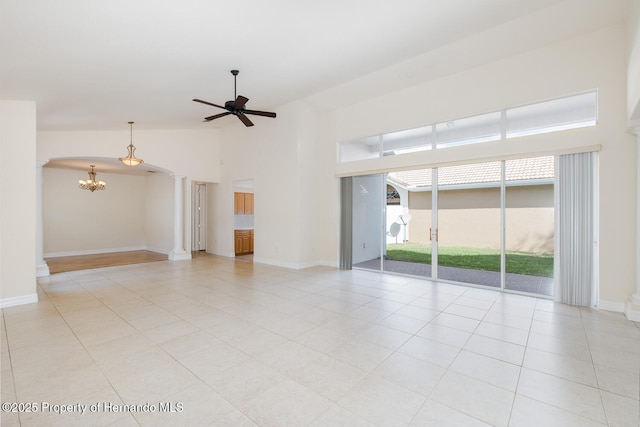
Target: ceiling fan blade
260, 113
209, 103
239, 102
208, 119
245, 120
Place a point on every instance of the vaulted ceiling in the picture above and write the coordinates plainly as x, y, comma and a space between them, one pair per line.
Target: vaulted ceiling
97, 65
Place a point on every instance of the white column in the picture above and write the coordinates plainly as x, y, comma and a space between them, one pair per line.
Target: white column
178, 252
42, 269
632, 309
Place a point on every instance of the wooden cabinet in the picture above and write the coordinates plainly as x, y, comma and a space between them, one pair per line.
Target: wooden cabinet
248, 203
243, 203
243, 242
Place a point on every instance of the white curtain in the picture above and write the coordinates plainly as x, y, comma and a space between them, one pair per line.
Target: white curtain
575, 255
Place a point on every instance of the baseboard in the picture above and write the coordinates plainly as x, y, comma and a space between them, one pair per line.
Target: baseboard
179, 256
157, 250
632, 311
221, 253
611, 306
42, 270
289, 265
21, 300
95, 251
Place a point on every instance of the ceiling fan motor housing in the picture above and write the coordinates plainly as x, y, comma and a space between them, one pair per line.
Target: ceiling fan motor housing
229, 106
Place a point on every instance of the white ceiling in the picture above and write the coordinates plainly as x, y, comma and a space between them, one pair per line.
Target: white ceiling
97, 65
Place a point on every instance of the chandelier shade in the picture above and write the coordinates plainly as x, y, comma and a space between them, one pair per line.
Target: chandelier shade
131, 159
92, 184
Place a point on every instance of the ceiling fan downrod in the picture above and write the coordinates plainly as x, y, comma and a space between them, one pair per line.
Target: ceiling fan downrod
235, 74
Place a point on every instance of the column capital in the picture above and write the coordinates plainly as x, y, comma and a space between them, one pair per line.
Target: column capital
40, 163
177, 177
635, 130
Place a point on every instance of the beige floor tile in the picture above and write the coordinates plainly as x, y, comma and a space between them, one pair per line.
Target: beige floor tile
561, 393
402, 323
444, 334
361, 354
501, 350
465, 311
243, 344
413, 374
384, 336
533, 413
621, 411
456, 322
576, 370
437, 414
430, 351
338, 416
475, 398
186, 345
329, 377
503, 333
561, 346
322, 339
382, 402
287, 403
487, 369
618, 381
194, 406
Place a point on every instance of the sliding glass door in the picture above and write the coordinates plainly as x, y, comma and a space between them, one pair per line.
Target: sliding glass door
409, 224
529, 225
488, 224
469, 223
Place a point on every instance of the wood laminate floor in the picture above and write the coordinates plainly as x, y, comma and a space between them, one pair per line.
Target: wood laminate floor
88, 262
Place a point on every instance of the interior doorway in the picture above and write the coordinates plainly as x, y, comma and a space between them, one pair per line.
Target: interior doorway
243, 219
199, 221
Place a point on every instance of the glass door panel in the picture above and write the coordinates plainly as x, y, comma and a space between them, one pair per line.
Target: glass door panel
469, 224
408, 224
529, 225
368, 216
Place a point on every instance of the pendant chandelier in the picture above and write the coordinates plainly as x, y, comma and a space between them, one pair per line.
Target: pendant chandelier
131, 159
92, 184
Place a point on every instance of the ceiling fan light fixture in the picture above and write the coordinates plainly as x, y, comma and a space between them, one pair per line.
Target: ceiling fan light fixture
131, 159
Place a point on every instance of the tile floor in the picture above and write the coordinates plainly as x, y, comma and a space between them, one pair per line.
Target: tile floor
213, 342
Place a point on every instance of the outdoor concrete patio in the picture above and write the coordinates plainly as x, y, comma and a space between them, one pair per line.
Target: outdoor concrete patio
515, 282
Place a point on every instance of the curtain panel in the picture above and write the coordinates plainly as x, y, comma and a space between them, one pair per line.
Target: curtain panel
346, 223
575, 281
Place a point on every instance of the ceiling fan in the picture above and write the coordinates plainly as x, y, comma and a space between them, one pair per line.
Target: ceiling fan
236, 107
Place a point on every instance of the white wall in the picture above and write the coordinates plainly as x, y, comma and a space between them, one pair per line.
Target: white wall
159, 213
77, 222
633, 67
17, 203
596, 60
292, 166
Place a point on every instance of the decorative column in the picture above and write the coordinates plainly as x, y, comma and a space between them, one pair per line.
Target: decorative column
632, 309
178, 252
42, 269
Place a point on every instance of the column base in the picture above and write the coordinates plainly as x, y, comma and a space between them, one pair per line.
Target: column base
179, 255
42, 270
632, 308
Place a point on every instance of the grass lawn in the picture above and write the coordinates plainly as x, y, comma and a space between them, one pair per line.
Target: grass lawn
532, 264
